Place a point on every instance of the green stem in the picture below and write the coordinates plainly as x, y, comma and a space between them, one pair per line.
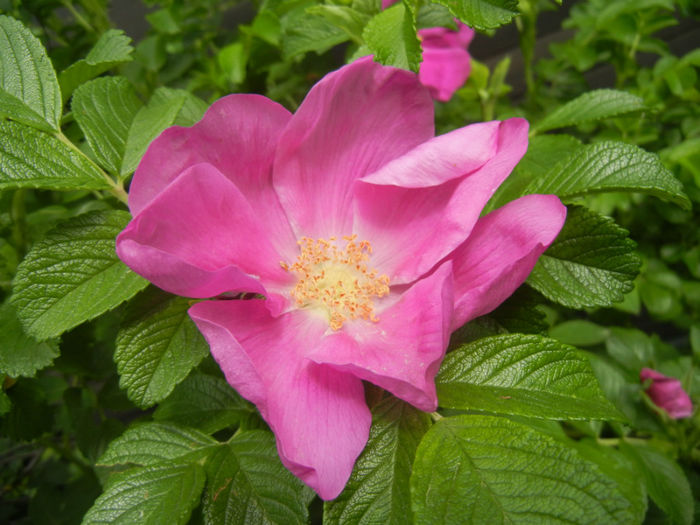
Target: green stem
78, 17
18, 214
116, 189
526, 24
435, 416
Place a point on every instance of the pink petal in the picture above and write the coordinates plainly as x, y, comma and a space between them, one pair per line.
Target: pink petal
402, 352
420, 207
444, 37
501, 252
238, 135
319, 415
667, 393
444, 70
200, 237
350, 124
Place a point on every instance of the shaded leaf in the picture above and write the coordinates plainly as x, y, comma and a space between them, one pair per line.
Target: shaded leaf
204, 402
591, 262
20, 354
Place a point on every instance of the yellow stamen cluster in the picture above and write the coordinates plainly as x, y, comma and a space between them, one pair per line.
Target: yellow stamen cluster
337, 279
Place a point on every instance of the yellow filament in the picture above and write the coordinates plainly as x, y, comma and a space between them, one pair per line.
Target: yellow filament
336, 279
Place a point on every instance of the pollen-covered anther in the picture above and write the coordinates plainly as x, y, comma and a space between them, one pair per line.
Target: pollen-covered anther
337, 279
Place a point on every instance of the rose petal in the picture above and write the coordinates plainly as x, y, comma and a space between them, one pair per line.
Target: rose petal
238, 135
200, 237
501, 252
319, 415
444, 70
401, 352
420, 207
350, 124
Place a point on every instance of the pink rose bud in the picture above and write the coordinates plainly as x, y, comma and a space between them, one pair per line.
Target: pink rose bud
667, 393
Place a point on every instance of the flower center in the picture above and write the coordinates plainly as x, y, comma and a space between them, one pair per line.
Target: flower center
338, 280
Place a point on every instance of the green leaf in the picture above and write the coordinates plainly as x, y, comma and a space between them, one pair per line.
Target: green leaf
32, 159
348, 19
579, 332
524, 375
665, 481
610, 166
303, 32
20, 354
246, 483
29, 91
113, 48
166, 107
620, 469
378, 489
204, 402
482, 14
104, 109
504, 472
154, 443
5, 403
161, 494
543, 152
157, 346
392, 39
591, 263
593, 105
73, 275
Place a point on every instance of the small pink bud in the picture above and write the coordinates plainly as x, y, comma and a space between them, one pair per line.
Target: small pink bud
667, 393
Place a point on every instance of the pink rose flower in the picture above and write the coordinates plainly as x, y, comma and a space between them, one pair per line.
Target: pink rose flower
446, 62
360, 229
667, 393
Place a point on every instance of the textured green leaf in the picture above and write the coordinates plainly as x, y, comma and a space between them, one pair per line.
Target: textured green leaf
29, 91
32, 159
348, 19
579, 332
593, 105
591, 263
104, 109
161, 494
482, 14
481, 469
73, 275
303, 32
154, 443
166, 107
113, 48
204, 402
378, 489
620, 469
524, 375
610, 166
20, 354
157, 346
247, 484
392, 39
665, 481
